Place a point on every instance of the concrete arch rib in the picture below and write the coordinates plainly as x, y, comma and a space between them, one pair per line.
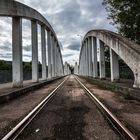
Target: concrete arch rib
13, 8
123, 47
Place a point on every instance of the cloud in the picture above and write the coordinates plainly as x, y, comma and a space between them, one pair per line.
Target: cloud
74, 46
67, 17
67, 55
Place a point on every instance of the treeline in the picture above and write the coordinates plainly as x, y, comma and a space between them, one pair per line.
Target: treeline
27, 66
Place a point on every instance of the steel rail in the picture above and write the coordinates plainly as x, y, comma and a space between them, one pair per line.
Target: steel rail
121, 129
13, 134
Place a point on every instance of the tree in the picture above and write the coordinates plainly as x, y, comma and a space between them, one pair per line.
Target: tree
125, 14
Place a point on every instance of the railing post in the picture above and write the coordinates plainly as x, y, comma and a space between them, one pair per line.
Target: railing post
43, 46
114, 65
49, 54
35, 72
102, 59
94, 55
17, 52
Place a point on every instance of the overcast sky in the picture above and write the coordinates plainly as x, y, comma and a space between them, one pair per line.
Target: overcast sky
67, 17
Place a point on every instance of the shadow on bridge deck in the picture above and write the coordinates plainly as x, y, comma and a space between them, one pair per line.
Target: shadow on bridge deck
7, 92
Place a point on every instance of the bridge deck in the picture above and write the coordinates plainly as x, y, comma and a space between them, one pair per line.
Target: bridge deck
70, 115
73, 110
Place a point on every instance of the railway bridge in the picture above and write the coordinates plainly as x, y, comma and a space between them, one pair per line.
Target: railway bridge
62, 105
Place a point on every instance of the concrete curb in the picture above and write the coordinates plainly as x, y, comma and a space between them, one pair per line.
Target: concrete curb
22, 91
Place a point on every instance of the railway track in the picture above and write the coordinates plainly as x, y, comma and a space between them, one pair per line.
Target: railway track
119, 127
19, 128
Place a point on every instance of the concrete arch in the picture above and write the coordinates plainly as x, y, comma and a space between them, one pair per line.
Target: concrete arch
18, 11
123, 47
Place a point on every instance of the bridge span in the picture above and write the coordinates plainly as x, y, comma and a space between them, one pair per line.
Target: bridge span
62, 105
119, 46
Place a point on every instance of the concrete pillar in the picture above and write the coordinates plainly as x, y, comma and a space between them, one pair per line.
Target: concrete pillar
94, 56
52, 55
90, 56
87, 67
35, 77
76, 68
55, 47
65, 69
43, 47
102, 59
57, 62
82, 69
49, 54
84, 59
17, 52
114, 65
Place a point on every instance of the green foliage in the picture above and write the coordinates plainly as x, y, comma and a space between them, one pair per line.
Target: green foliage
5, 65
126, 16
27, 66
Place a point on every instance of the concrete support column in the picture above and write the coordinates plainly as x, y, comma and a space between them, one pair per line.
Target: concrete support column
87, 67
43, 47
102, 59
17, 52
55, 47
84, 60
35, 76
90, 56
49, 54
94, 56
114, 65
52, 55
57, 62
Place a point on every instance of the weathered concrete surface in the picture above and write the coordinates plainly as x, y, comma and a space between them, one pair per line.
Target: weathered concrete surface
126, 108
102, 59
49, 54
14, 111
15, 9
126, 49
17, 67
70, 115
35, 72
43, 51
114, 64
94, 56
76, 68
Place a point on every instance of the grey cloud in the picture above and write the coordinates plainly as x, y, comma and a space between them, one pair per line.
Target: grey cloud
7, 46
27, 48
74, 46
67, 55
71, 17
27, 55
7, 55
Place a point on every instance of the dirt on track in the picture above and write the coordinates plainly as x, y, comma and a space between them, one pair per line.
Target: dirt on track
69, 115
14, 111
127, 110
